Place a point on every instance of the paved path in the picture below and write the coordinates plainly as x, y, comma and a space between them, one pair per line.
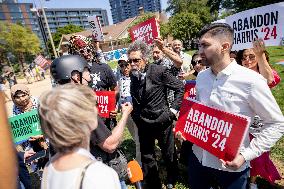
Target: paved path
36, 89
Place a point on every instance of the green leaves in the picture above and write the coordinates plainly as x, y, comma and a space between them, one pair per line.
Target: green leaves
18, 39
188, 17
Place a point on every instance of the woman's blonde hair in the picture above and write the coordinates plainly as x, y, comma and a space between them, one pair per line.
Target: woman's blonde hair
66, 114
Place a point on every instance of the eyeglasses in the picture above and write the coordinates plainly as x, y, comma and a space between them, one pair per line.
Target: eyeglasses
123, 65
250, 57
134, 60
197, 61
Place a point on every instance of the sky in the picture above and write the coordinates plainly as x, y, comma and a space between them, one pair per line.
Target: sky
104, 4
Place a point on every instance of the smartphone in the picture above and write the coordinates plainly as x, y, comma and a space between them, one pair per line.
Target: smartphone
36, 156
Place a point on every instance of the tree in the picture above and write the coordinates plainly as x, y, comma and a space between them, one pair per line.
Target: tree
238, 5
189, 16
19, 40
185, 26
68, 29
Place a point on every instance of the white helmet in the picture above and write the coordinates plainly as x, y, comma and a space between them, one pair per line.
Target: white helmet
123, 58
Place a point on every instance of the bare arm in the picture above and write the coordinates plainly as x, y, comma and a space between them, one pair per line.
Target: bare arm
169, 53
111, 143
264, 67
8, 177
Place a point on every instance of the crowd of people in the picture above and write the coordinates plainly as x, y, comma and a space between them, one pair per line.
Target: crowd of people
84, 148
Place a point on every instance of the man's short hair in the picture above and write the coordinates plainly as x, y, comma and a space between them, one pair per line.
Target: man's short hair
221, 29
139, 46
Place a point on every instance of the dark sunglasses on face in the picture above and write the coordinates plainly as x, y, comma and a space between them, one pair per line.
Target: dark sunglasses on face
250, 57
123, 65
197, 61
135, 60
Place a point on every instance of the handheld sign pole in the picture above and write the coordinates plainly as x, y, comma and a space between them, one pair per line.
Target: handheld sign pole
96, 28
218, 132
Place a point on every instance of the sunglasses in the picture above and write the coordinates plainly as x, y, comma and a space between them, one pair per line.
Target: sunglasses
123, 65
197, 61
250, 57
134, 60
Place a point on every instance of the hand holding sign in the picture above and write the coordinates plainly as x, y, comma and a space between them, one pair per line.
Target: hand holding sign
236, 163
258, 47
126, 108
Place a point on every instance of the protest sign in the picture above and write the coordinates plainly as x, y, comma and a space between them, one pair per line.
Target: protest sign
106, 102
25, 125
42, 62
265, 22
96, 28
146, 31
218, 132
189, 89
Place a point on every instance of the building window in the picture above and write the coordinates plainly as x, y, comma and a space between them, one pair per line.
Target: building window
73, 13
75, 19
2, 16
61, 13
62, 19
16, 15
49, 13
76, 23
14, 8
85, 13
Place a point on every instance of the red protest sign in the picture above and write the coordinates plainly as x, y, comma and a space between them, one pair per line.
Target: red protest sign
146, 31
106, 102
189, 89
220, 133
42, 62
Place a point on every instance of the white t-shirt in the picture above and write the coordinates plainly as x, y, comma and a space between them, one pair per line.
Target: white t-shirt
98, 175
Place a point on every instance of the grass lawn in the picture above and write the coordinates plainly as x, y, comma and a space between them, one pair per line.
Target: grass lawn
277, 152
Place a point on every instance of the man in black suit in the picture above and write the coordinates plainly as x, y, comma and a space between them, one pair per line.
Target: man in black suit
152, 113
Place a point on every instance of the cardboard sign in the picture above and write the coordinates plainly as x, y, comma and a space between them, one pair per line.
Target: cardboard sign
25, 125
96, 28
42, 62
189, 89
265, 22
106, 102
218, 132
146, 31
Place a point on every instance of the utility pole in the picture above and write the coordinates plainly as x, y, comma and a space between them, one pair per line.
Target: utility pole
48, 30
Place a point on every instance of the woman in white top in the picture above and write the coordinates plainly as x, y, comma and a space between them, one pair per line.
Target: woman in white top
68, 115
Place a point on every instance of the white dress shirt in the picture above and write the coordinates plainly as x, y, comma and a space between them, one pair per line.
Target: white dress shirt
237, 89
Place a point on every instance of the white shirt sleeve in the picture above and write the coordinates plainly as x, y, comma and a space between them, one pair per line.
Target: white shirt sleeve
264, 104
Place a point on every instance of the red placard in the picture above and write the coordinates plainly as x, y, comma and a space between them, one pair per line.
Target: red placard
189, 89
220, 133
106, 102
146, 31
42, 62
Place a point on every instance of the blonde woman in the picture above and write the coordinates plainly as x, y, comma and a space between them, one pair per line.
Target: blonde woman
68, 115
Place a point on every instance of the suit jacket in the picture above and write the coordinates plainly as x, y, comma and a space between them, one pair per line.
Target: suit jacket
149, 94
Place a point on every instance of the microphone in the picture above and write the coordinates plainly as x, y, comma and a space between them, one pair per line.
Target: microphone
135, 173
